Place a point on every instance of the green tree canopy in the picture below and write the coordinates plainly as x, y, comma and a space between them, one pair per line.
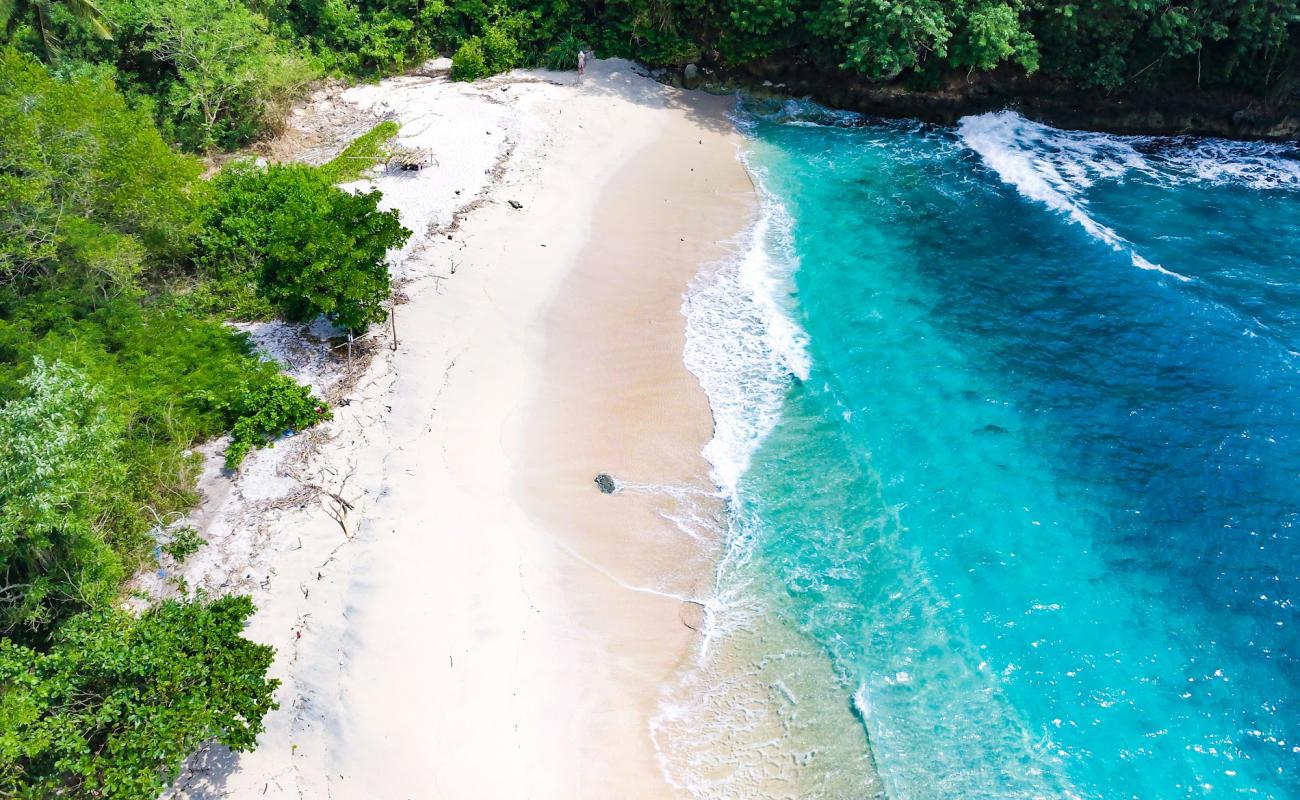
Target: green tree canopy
117, 703
233, 78
41, 15
308, 246
57, 453
88, 189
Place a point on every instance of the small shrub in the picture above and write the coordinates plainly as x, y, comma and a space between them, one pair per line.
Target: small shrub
563, 55
501, 49
90, 193
184, 543
309, 247
269, 409
469, 62
59, 462
118, 701
363, 153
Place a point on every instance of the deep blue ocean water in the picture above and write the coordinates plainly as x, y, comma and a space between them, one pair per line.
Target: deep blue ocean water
1013, 456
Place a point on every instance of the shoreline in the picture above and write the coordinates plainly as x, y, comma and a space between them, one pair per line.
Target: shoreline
1168, 111
615, 397
434, 635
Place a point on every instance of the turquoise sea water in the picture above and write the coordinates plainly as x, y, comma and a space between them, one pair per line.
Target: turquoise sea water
1008, 420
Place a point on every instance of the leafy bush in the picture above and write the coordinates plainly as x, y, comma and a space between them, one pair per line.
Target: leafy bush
364, 37
88, 189
664, 33
454, 21
563, 54
497, 50
162, 376
500, 49
269, 409
143, 385
184, 543
58, 462
309, 247
994, 34
117, 702
233, 78
469, 63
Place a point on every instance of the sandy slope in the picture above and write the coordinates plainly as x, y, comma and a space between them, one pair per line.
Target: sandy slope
458, 612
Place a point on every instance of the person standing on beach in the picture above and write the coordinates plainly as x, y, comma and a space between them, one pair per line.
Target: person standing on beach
582, 62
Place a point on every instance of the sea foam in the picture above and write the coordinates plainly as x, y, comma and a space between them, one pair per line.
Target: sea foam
742, 342
916, 599
1053, 168
719, 730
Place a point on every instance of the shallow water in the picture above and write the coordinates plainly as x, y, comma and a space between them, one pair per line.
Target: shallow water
1008, 422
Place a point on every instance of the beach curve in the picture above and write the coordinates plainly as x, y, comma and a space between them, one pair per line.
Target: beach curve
483, 622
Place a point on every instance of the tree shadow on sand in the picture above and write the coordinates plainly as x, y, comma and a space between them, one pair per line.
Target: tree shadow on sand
204, 775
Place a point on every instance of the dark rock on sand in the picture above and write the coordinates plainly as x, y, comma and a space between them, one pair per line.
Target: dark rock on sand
691, 77
606, 484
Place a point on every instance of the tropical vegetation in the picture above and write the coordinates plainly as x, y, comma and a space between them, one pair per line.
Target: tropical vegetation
120, 265
217, 73
122, 259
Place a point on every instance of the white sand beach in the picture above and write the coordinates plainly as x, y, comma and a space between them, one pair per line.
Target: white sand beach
458, 611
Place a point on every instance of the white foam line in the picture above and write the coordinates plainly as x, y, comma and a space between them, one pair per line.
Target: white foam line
1006, 142
742, 346
1142, 263
741, 343
664, 489
1219, 162
619, 581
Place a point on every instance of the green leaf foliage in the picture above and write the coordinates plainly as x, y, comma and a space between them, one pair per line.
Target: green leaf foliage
219, 73
233, 78
58, 466
111, 370
364, 37
213, 73
184, 543
40, 21
307, 246
992, 35
268, 409
657, 31
89, 192
106, 401
116, 703
563, 53
1110, 43
497, 49
501, 47
470, 62
361, 154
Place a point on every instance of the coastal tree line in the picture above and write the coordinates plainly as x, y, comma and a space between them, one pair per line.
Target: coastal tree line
215, 73
120, 264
